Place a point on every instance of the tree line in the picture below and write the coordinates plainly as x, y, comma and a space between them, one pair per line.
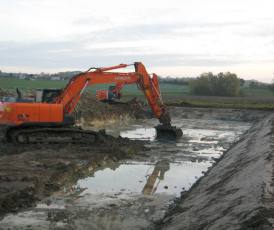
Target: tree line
222, 84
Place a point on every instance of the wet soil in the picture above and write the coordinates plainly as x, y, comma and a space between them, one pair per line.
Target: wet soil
30, 172
237, 193
122, 184
131, 191
92, 111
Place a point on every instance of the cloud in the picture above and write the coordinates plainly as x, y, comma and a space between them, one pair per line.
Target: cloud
57, 54
155, 30
50, 34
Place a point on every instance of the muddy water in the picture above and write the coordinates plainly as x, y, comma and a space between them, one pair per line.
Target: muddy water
133, 194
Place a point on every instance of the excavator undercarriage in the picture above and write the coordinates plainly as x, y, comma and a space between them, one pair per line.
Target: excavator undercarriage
52, 135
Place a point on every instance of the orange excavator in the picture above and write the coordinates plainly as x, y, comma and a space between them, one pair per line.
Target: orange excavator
49, 116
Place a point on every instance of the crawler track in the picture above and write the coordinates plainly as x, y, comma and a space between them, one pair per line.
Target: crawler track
54, 135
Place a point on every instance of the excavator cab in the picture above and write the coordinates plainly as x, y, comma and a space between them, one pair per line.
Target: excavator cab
108, 95
47, 95
42, 96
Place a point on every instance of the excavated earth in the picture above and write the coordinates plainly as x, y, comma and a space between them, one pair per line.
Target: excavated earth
236, 192
30, 172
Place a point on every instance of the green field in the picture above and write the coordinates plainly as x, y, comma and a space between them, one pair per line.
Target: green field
257, 92
10, 83
128, 90
173, 94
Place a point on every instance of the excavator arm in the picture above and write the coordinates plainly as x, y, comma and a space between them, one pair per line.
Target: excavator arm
149, 85
151, 89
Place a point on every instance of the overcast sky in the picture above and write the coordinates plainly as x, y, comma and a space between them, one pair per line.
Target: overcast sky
171, 37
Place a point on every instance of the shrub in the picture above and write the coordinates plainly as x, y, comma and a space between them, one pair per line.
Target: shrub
222, 84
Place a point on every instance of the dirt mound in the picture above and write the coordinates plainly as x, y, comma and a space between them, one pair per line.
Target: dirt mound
6, 93
237, 193
90, 109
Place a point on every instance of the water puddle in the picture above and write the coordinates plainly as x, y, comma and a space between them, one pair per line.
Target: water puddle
142, 178
140, 134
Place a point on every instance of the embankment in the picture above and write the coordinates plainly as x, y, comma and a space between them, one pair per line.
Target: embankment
236, 193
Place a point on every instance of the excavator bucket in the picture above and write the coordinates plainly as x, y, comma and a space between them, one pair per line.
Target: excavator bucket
168, 132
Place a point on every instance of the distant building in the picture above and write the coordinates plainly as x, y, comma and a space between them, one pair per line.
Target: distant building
22, 77
55, 78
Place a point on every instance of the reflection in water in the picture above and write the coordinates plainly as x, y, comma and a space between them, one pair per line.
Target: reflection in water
158, 173
132, 178
140, 133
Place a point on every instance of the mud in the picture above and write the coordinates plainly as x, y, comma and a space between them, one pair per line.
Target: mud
137, 190
30, 172
237, 193
128, 184
5, 92
96, 114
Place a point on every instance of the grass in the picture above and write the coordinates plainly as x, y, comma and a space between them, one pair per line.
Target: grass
174, 94
257, 92
128, 90
10, 83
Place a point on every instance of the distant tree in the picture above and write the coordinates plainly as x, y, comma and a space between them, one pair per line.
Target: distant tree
222, 84
177, 80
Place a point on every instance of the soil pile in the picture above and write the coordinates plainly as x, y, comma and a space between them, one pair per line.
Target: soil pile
237, 193
91, 109
5, 93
